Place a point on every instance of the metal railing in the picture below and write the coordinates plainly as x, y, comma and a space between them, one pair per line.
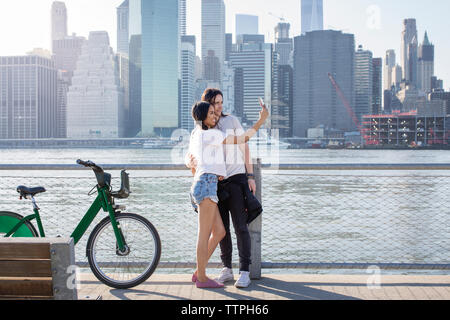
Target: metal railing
348, 216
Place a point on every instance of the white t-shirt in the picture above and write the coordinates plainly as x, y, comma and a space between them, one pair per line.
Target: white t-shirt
234, 154
207, 148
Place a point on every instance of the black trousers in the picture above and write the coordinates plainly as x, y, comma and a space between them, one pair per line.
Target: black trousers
235, 206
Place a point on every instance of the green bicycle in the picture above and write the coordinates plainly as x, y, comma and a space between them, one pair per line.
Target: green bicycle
123, 250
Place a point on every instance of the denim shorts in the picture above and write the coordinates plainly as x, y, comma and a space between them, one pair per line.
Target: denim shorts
203, 188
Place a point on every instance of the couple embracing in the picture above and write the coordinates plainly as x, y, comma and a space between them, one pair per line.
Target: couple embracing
220, 161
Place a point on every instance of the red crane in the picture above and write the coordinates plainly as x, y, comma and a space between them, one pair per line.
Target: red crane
350, 111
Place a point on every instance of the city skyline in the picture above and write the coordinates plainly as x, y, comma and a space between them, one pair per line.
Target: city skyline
377, 24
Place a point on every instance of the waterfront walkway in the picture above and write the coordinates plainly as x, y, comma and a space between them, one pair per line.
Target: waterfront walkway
280, 287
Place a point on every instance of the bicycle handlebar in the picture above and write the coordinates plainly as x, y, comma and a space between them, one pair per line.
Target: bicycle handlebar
103, 178
81, 162
90, 164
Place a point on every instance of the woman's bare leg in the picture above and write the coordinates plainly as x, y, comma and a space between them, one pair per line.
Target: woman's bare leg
218, 233
206, 219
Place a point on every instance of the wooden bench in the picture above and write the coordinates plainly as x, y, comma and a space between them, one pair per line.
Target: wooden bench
37, 268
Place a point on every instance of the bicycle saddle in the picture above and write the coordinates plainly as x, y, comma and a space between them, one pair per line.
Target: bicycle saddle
24, 191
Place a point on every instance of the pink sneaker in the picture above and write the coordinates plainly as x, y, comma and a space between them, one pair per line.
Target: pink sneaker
209, 284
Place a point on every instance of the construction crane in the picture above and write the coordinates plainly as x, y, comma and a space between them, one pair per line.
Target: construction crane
280, 18
350, 110
435, 140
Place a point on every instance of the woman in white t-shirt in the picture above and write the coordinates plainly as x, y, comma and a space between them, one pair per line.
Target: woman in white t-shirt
206, 146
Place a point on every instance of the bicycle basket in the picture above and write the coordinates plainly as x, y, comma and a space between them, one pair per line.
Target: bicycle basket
124, 191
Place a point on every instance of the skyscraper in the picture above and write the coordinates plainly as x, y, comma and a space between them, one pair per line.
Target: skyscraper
94, 101
59, 21
154, 38
213, 34
282, 117
389, 64
377, 96
187, 84
160, 67
253, 78
123, 13
363, 83
181, 33
135, 82
437, 83
190, 39
397, 75
61, 106
246, 24
283, 44
312, 15
212, 68
227, 88
425, 64
249, 39
123, 68
66, 52
182, 17
135, 67
239, 92
228, 45
409, 33
316, 101
28, 97
413, 54
65, 55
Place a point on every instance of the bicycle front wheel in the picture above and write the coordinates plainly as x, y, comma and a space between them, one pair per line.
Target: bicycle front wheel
124, 270
8, 220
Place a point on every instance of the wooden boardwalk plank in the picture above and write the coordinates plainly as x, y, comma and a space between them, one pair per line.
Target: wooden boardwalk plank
279, 287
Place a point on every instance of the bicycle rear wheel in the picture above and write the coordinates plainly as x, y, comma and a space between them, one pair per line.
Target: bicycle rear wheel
124, 270
8, 220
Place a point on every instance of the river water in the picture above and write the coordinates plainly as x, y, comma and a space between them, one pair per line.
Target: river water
149, 156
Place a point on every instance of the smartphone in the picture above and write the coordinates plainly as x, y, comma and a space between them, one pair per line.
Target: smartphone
261, 101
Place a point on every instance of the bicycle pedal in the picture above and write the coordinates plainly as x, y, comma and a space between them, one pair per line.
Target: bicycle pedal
119, 207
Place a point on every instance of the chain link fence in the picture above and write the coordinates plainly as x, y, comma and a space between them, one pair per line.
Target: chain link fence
312, 218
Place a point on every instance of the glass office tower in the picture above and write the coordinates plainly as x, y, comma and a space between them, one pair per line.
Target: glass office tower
154, 34
312, 15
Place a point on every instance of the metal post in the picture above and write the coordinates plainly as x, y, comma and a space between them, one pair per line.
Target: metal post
255, 227
62, 254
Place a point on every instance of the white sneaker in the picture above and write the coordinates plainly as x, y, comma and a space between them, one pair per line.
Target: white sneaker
225, 275
244, 280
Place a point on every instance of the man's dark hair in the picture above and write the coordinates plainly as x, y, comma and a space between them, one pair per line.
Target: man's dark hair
210, 95
200, 113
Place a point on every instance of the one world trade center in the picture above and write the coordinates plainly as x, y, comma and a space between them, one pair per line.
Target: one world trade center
312, 15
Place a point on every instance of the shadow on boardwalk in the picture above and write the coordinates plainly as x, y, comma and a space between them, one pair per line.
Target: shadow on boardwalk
178, 288
279, 287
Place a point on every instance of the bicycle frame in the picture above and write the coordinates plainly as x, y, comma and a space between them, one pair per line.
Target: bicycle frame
101, 202
29, 218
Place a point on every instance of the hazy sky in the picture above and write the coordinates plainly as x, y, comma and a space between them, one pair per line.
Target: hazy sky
377, 24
